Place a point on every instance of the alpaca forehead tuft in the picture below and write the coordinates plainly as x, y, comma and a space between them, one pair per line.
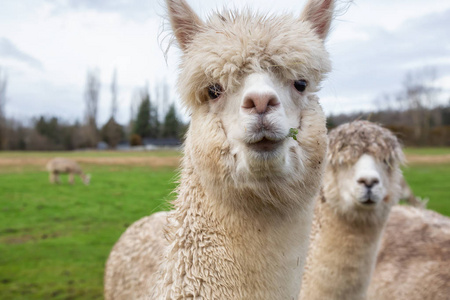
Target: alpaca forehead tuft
348, 142
233, 44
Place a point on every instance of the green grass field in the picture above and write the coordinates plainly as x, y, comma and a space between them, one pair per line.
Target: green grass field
427, 151
432, 182
54, 239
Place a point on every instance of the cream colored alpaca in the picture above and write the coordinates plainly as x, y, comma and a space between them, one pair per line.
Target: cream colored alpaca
59, 165
361, 183
414, 258
241, 222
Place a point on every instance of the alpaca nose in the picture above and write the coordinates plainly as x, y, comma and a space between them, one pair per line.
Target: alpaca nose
260, 102
369, 182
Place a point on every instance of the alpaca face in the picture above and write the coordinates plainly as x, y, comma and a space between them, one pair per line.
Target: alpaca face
365, 183
362, 178
256, 87
364, 190
257, 119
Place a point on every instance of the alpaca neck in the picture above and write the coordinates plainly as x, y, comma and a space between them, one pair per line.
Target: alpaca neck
241, 239
222, 252
342, 257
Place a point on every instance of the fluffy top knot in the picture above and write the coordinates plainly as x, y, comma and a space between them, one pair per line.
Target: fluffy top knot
232, 45
349, 141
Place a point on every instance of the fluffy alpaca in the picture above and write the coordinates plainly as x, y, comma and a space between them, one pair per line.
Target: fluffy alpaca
414, 258
134, 258
361, 183
59, 165
241, 221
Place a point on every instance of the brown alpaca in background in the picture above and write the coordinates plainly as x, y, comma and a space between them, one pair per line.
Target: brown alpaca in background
414, 258
361, 183
59, 166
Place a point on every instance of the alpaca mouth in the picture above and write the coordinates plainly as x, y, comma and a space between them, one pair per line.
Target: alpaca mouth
368, 202
265, 145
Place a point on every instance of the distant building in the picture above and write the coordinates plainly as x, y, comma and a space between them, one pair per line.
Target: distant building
164, 142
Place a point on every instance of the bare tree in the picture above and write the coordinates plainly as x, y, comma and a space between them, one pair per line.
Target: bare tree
91, 97
420, 95
114, 95
162, 97
384, 102
134, 104
112, 132
3, 85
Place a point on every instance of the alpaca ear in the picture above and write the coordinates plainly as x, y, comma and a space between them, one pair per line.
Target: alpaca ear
319, 14
185, 22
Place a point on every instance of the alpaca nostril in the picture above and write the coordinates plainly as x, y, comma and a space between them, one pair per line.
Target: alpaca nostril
260, 103
273, 102
248, 103
368, 182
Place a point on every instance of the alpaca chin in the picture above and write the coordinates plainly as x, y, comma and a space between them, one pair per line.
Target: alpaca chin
263, 163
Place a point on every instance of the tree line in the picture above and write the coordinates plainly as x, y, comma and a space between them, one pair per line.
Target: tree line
415, 113
147, 123
419, 113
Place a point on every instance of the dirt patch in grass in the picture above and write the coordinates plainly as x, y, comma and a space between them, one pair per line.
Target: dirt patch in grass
172, 161
19, 239
134, 161
428, 159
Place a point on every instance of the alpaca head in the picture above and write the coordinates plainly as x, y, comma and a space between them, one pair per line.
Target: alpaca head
363, 177
247, 79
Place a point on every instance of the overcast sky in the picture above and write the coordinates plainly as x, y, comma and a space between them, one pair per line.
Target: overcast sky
47, 46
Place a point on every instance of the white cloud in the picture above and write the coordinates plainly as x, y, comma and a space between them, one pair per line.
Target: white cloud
9, 50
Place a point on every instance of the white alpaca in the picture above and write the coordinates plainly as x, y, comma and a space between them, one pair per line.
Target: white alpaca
241, 222
361, 183
414, 258
58, 166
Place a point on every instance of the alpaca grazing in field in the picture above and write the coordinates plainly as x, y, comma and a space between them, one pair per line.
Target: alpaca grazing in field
361, 183
59, 166
241, 221
414, 258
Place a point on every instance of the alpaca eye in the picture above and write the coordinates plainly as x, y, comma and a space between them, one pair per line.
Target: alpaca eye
300, 85
214, 91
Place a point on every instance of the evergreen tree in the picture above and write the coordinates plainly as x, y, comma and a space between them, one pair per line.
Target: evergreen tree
445, 115
142, 123
171, 128
112, 133
49, 128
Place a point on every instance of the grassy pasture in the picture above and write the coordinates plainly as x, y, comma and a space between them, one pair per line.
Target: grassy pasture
432, 182
54, 239
427, 151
